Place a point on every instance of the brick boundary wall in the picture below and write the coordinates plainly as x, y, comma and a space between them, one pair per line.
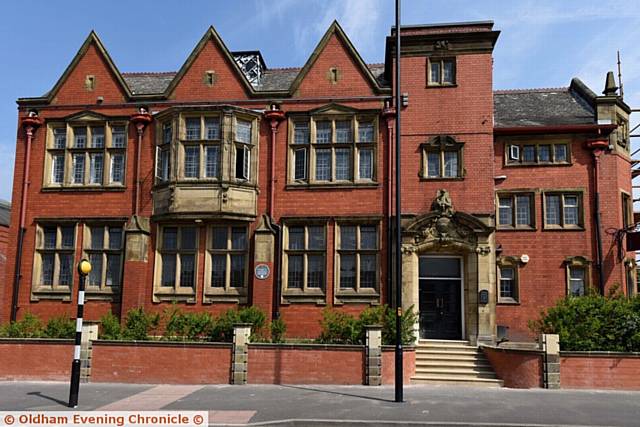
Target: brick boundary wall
518, 368
158, 362
600, 370
35, 359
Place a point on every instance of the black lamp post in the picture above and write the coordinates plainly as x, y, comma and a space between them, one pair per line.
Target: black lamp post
84, 268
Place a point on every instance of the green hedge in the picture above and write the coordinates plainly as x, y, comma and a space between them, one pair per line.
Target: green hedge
593, 323
343, 328
30, 326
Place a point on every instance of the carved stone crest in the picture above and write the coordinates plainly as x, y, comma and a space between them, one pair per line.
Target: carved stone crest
441, 45
442, 225
442, 204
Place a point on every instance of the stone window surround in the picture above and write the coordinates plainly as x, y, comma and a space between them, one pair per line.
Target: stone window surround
107, 151
512, 193
516, 264
354, 146
579, 262
627, 209
537, 141
228, 122
441, 58
55, 291
305, 295
227, 294
103, 292
579, 192
176, 292
357, 295
440, 144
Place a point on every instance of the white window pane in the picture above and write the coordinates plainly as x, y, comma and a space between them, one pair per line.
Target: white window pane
366, 164
343, 131
187, 271
571, 213
529, 153
450, 164
113, 270
167, 133
296, 238
80, 137
544, 153
348, 237
348, 271
95, 277
315, 271
365, 132
218, 270
243, 162
96, 168
435, 72
323, 165
59, 138
168, 270
295, 271
237, 271
560, 153
552, 210
316, 237
505, 211
368, 271
300, 171
523, 210
66, 269
78, 168
119, 137
57, 169
323, 132
448, 72
577, 277
243, 131
343, 163
115, 237
117, 168
191, 161
301, 133
212, 127
368, 237
193, 128
46, 276
433, 164
212, 167
97, 137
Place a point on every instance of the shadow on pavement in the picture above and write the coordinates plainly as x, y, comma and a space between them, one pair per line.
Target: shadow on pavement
319, 390
44, 396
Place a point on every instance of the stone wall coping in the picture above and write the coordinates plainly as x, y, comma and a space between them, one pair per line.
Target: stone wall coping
513, 350
307, 346
603, 354
115, 343
36, 341
405, 348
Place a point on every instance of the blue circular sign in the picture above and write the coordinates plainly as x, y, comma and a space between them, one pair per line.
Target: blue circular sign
262, 271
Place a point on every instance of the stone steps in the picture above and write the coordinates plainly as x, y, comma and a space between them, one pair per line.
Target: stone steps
453, 363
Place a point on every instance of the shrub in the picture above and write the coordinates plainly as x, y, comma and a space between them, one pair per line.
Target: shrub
60, 327
139, 324
278, 329
187, 326
29, 326
110, 328
222, 329
593, 323
343, 328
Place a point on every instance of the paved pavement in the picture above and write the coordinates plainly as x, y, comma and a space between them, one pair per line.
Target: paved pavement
346, 405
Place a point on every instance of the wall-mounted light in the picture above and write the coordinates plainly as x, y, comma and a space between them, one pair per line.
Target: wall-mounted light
524, 258
405, 99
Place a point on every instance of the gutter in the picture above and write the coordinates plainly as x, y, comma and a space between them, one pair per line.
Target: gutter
528, 130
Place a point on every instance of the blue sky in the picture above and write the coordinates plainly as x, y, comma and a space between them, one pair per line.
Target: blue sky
544, 43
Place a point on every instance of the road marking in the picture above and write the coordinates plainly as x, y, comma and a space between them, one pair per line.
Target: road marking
152, 399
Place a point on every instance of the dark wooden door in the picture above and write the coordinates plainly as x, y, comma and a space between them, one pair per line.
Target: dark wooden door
440, 309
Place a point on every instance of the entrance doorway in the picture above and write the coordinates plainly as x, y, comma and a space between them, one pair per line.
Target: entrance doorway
440, 297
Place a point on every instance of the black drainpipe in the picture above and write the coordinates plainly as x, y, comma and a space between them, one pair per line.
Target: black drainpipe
16, 280
277, 267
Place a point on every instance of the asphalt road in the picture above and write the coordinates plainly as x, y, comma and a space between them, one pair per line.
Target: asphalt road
345, 405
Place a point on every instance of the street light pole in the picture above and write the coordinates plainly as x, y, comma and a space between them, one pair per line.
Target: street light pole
84, 268
398, 350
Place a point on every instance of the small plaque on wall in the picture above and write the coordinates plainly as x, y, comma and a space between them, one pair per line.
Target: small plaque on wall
262, 271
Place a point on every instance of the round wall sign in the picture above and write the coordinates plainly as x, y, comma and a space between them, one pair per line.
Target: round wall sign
262, 271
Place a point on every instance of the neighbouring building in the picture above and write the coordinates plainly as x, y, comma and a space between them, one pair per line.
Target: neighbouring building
5, 214
228, 183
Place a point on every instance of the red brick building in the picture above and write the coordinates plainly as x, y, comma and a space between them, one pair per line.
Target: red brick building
229, 183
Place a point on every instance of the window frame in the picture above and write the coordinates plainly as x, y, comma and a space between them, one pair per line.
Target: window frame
202, 142
175, 292
227, 293
108, 151
582, 263
513, 195
56, 290
305, 293
441, 144
626, 206
355, 146
441, 60
358, 293
103, 290
521, 143
579, 194
508, 262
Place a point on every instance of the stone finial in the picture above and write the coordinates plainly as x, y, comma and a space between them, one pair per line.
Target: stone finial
610, 88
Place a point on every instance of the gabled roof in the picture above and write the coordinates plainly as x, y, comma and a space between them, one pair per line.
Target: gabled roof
544, 107
148, 83
335, 29
92, 38
210, 35
5, 213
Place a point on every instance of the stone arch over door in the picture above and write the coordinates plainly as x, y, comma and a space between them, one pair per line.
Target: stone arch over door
443, 231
